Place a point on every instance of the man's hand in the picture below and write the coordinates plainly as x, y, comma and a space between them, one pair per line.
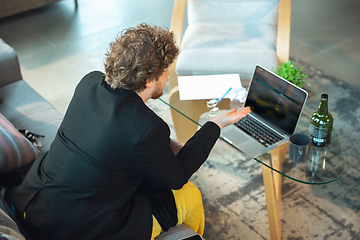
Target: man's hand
175, 146
231, 117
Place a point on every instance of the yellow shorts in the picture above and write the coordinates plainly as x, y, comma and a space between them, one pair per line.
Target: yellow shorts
190, 209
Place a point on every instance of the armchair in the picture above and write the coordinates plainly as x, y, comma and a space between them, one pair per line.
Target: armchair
224, 36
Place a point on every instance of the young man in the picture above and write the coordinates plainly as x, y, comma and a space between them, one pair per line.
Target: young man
112, 170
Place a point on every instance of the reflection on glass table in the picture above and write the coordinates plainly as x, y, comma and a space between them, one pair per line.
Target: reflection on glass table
323, 165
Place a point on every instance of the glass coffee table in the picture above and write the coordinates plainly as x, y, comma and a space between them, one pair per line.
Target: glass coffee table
324, 165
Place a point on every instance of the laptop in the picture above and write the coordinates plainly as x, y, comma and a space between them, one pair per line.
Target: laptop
276, 106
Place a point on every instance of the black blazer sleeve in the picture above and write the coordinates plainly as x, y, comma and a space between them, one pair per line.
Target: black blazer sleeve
154, 159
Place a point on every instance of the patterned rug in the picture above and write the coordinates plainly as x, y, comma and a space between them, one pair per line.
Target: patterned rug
233, 190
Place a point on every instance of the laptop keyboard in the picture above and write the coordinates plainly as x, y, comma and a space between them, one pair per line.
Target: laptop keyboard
258, 131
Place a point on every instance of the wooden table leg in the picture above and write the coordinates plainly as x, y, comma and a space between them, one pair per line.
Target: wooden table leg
272, 184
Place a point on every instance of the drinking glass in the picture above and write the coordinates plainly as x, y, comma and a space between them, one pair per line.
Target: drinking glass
212, 106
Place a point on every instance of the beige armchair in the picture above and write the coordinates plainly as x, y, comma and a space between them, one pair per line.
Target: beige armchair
224, 36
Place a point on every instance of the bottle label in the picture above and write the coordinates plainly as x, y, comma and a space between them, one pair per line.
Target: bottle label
319, 135
318, 132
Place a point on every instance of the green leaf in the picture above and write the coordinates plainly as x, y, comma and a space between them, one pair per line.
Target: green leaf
289, 72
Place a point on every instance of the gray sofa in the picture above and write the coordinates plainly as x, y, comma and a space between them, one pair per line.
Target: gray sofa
24, 108
22, 105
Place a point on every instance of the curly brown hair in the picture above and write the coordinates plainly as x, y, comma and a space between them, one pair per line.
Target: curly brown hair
139, 54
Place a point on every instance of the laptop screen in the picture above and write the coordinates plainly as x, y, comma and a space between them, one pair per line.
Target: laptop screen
275, 100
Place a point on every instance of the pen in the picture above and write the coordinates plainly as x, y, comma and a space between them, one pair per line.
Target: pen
224, 95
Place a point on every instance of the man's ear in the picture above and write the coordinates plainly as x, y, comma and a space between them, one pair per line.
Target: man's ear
149, 83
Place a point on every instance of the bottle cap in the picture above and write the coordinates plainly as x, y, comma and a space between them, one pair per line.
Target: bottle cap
324, 96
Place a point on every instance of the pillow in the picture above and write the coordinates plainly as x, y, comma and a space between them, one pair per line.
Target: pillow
15, 150
8, 228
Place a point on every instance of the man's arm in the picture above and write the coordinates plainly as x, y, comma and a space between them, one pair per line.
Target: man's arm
175, 145
154, 159
155, 156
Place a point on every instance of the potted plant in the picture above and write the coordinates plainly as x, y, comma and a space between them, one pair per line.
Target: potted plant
289, 72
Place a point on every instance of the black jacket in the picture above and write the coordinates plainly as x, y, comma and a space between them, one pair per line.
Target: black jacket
87, 185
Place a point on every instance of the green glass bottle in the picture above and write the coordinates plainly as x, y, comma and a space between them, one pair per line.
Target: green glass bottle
321, 123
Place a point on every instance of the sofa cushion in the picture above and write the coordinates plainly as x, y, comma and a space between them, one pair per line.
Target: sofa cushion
226, 11
214, 48
15, 151
229, 36
8, 227
26, 109
180, 231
